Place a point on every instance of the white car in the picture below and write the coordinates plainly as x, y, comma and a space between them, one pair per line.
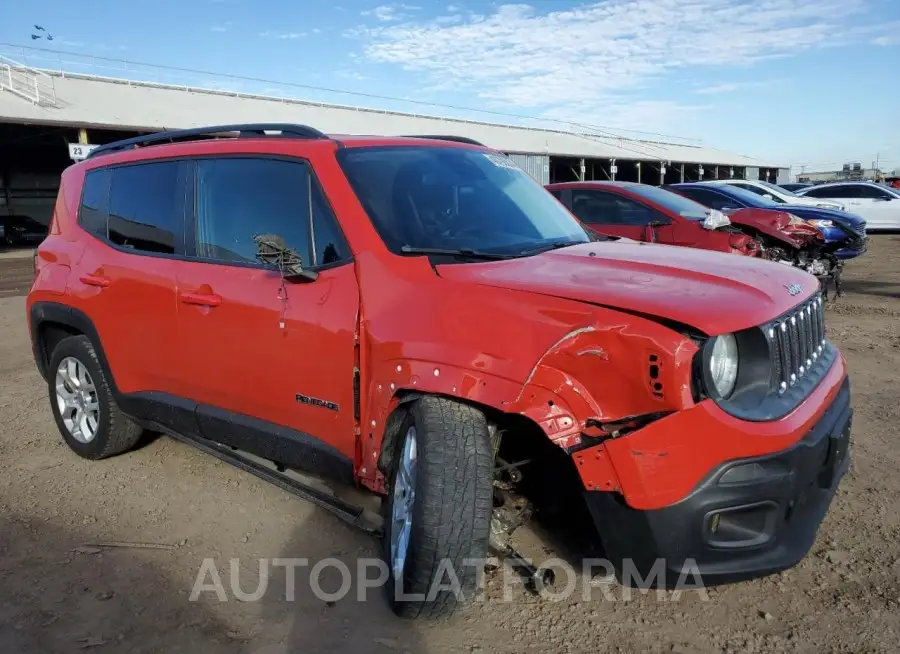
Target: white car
778, 194
878, 204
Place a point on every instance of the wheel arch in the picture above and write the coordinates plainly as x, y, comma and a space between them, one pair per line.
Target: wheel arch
50, 322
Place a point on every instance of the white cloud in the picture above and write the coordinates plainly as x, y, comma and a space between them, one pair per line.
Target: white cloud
887, 40
592, 57
219, 29
727, 87
731, 87
283, 36
390, 13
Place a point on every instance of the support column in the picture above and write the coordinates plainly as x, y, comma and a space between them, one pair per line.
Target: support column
638, 166
662, 174
682, 173
716, 171
583, 168
83, 136
612, 169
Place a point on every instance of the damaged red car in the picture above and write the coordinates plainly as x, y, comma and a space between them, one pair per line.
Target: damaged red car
649, 213
415, 335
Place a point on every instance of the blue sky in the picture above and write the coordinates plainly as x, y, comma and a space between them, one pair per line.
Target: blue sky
814, 82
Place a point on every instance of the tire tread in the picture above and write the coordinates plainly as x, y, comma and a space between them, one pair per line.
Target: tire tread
454, 502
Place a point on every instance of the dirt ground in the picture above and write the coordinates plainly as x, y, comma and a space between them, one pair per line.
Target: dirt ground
60, 593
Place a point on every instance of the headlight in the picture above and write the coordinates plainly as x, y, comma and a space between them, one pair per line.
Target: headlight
822, 223
795, 220
723, 364
828, 206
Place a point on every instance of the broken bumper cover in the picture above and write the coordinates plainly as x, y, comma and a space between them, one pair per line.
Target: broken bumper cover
748, 518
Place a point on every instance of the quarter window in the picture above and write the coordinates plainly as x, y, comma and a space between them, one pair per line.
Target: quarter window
144, 207
240, 199
93, 212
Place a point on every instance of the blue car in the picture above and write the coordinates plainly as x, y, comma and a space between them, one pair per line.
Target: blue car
844, 233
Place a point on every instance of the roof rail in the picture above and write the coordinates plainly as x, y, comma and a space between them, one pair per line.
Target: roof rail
250, 130
438, 137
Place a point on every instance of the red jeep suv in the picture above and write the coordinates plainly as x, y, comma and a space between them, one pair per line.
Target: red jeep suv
417, 318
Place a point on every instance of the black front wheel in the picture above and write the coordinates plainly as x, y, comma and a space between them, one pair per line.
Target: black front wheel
437, 515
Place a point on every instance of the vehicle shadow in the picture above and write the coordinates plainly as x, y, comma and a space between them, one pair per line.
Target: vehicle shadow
332, 608
871, 287
58, 595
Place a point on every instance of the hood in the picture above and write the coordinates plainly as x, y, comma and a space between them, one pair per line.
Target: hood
711, 291
842, 218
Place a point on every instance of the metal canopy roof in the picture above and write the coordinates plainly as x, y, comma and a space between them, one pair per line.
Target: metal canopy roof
92, 101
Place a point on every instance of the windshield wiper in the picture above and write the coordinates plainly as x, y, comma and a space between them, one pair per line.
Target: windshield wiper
463, 253
546, 247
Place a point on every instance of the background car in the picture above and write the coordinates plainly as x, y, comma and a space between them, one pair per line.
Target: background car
21, 230
778, 194
878, 204
843, 231
650, 213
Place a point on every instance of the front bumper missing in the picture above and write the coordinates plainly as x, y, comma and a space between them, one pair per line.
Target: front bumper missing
748, 518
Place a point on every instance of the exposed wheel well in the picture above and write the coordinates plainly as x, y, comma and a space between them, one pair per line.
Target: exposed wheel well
549, 474
49, 335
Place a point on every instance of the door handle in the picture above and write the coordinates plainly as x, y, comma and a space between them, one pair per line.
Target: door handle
203, 299
96, 280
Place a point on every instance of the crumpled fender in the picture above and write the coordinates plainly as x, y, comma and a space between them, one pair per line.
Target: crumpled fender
600, 372
606, 374
777, 225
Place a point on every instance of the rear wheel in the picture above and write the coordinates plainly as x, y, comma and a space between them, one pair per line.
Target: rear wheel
86, 413
437, 516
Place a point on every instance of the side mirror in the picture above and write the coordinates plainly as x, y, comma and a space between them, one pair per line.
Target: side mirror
271, 249
300, 276
768, 196
650, 233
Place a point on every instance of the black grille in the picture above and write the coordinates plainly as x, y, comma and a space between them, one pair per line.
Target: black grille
797, 339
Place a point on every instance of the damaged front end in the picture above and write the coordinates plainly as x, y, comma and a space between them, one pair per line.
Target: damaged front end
785, 238
581, 394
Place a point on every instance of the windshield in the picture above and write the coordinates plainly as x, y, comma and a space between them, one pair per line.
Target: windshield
748, 198
778, 189
455, 198
678, 204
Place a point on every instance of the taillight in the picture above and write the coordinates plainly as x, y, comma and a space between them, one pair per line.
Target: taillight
35, 263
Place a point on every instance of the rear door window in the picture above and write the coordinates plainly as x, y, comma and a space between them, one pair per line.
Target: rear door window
146, 207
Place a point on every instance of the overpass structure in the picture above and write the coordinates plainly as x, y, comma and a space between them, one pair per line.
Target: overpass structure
48, 117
